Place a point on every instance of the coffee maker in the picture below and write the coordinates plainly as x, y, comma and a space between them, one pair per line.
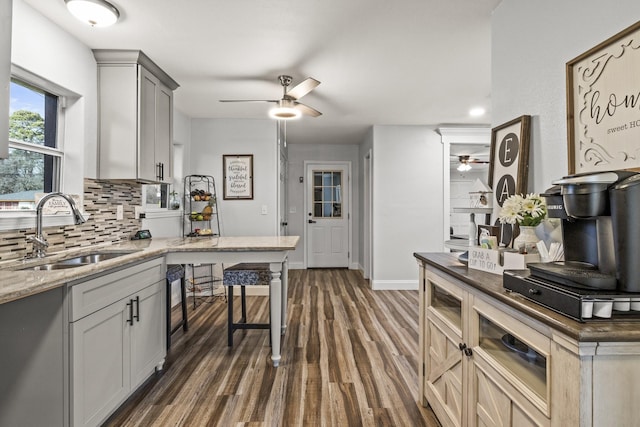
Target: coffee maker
601, 237
599, 213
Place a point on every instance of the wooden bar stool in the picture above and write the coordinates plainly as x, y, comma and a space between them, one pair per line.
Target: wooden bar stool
244, 274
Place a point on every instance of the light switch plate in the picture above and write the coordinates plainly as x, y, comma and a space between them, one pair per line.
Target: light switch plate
264, 210
119, 212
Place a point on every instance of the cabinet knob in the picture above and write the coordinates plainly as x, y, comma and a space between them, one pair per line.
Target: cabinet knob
468, 352
462, 346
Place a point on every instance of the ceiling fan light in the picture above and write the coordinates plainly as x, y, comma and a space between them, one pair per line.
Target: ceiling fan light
464, 167
97, 13
285, 111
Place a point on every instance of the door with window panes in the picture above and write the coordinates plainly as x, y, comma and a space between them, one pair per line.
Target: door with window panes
327, 215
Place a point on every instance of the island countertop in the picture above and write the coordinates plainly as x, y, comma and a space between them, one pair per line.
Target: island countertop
16, 283
491, 285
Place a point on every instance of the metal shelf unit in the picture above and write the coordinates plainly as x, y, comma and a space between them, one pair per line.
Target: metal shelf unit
201, 220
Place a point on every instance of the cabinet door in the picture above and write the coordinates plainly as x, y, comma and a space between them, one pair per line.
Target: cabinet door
147, 168
100, 363
444, 365
148, 338
164, 131
510, 370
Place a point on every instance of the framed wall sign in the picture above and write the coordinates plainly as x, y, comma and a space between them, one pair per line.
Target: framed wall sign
603, 105
509, 165
238, 176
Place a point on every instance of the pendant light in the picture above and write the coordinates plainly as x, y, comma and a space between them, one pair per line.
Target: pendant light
97, 13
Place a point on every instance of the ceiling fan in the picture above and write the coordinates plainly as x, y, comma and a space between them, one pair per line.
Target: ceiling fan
466, 161
288, 107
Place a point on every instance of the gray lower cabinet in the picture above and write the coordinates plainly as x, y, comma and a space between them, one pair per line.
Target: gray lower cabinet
117, 338
33, 371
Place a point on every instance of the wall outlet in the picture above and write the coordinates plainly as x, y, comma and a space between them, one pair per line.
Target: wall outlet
138, 212
292, 209
264, 210
119, 212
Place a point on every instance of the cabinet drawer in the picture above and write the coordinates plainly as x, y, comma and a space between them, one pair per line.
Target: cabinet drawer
94, 294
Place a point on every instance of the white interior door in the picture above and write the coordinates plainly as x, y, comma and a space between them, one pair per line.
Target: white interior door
328, 187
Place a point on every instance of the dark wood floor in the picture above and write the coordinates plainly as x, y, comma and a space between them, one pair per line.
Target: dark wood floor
349, 358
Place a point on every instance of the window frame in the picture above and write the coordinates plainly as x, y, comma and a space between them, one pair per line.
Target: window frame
25, 218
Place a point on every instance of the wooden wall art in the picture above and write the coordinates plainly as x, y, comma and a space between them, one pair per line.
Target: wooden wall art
509, 166
603, 105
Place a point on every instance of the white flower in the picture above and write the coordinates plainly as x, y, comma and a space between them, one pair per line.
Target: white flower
529, 210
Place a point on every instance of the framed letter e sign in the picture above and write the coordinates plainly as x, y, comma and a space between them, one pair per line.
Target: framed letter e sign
238, 176
509, 161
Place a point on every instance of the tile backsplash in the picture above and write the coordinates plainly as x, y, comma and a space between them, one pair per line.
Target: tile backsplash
101, 197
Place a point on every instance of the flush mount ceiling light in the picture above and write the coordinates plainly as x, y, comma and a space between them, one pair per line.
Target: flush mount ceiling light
285, 111
97, 13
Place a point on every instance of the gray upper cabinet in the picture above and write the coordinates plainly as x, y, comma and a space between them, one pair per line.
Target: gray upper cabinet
135, 124
5, 74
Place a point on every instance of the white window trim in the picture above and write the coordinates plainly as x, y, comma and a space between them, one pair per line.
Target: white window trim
25, 219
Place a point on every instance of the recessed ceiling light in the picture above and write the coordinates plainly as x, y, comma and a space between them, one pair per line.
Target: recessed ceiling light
97, 13
477, 112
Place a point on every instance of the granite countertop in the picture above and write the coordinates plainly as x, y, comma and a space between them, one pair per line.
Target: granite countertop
491, 284
16, 283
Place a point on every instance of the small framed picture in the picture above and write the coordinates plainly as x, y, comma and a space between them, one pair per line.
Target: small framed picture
488, 236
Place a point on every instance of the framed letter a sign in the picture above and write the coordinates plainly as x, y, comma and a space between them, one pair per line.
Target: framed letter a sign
509, 162
238, 176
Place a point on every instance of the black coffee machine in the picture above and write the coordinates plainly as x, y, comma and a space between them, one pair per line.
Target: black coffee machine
600, 215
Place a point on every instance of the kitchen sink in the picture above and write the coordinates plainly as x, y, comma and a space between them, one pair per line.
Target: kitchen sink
77, 261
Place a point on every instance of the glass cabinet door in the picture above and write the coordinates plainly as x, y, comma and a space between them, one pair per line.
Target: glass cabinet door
446, 303
514, 354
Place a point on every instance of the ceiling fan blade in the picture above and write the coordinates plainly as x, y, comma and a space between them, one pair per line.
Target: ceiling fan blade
248, 100
303, 88
305, 109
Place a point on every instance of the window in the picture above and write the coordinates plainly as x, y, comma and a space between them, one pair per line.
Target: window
34, 161
327, 200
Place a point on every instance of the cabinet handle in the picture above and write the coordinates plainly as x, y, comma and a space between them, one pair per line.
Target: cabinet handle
462, 346
162, 171
534, 292
137, 316
468, 352
130, 305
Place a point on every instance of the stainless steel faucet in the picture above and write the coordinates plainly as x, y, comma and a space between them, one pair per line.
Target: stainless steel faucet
39, 242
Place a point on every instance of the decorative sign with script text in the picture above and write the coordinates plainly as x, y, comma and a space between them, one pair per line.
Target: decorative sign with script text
238, 176
603, 105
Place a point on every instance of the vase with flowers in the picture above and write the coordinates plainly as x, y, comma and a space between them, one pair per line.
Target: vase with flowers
527, 212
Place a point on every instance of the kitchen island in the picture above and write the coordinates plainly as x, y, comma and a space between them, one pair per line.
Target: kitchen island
79, 340
491, 357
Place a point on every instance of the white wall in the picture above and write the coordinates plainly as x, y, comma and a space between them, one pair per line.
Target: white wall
210, 139
44, 49
298, 153
408, 202
531, 43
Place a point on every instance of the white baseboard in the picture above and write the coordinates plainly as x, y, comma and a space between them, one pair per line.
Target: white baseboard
394, 285
296, 266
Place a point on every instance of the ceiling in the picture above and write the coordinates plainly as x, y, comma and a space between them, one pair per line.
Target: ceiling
403, 62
